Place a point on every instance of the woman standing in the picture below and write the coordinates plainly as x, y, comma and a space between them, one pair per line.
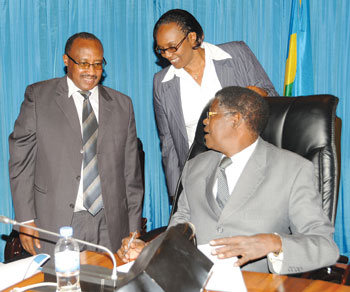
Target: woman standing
197, 71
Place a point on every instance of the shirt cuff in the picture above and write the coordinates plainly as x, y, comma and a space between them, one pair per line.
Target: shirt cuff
276, 261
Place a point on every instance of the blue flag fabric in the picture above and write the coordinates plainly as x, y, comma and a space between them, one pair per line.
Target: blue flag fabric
299, 70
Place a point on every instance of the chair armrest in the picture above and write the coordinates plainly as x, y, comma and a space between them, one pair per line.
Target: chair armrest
338, 273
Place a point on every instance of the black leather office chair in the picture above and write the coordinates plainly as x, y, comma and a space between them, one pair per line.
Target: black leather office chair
308, 126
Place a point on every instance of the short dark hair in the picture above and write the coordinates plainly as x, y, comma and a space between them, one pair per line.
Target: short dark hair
80, 35
185, 20
252, 106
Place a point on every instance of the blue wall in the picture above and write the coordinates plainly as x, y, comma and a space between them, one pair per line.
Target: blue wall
33, 34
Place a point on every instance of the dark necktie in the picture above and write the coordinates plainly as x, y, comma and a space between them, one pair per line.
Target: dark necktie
223, 191
92, 197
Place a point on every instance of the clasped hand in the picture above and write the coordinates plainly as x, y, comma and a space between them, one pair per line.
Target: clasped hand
246, 248
258, 90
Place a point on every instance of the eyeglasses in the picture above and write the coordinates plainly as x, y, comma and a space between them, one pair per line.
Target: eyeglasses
86, 65
171, 49
209, 114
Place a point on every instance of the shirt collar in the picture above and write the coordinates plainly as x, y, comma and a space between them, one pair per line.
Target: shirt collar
244, 155
72, 88
212, 52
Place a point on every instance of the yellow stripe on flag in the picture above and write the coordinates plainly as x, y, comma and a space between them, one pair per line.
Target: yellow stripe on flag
291, 63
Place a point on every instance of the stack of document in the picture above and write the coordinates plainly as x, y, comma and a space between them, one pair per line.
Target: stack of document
17, 271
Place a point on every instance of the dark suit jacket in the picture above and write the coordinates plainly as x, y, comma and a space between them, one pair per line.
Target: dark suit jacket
242, 70
276, 192
45, 159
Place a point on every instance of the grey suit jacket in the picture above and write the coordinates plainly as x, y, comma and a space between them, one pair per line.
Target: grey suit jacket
276, 192
45, 159
242, 70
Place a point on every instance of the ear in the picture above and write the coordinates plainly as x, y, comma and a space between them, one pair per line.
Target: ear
236, 120
192, 37
65, 59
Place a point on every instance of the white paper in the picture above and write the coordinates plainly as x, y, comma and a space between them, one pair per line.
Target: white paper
17, 271
125, 268
223, 276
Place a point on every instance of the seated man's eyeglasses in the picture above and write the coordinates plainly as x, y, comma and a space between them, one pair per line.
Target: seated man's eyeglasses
170, 49
209, 114
86, 65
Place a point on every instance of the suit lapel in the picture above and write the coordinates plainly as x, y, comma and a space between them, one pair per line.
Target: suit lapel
69, 112
210, 180
173, 103
104, 113
252, 176
68, 107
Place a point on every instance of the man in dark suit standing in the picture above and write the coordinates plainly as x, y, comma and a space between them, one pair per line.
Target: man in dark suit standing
74, 157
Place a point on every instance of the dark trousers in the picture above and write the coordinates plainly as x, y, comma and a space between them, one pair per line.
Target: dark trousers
91, 228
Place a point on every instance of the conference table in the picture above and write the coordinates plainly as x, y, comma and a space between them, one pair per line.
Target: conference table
255, 282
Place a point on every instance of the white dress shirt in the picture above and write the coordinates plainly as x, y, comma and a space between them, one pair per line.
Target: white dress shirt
194, 96
234, 171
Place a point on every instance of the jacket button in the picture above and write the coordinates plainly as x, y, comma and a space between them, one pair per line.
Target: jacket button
71, 205
78, 177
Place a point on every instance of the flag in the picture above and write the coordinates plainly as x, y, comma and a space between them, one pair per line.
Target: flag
298, 79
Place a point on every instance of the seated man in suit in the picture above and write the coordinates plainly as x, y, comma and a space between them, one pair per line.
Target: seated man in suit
250, 199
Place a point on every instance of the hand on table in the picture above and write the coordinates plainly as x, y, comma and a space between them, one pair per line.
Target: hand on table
246, 248
29, 238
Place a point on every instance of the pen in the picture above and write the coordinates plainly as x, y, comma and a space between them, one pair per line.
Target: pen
130, 241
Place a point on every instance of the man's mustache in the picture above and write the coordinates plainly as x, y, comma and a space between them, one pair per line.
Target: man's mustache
88, 76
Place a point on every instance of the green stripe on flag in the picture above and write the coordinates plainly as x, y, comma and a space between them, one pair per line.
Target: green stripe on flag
288, 89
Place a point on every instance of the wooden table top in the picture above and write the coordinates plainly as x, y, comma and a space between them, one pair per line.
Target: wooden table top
255, 282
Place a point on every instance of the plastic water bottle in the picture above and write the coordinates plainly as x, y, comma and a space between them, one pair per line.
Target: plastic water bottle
67, 261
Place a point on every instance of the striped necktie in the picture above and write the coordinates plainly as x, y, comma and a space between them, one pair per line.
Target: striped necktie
92, 197
223, 191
